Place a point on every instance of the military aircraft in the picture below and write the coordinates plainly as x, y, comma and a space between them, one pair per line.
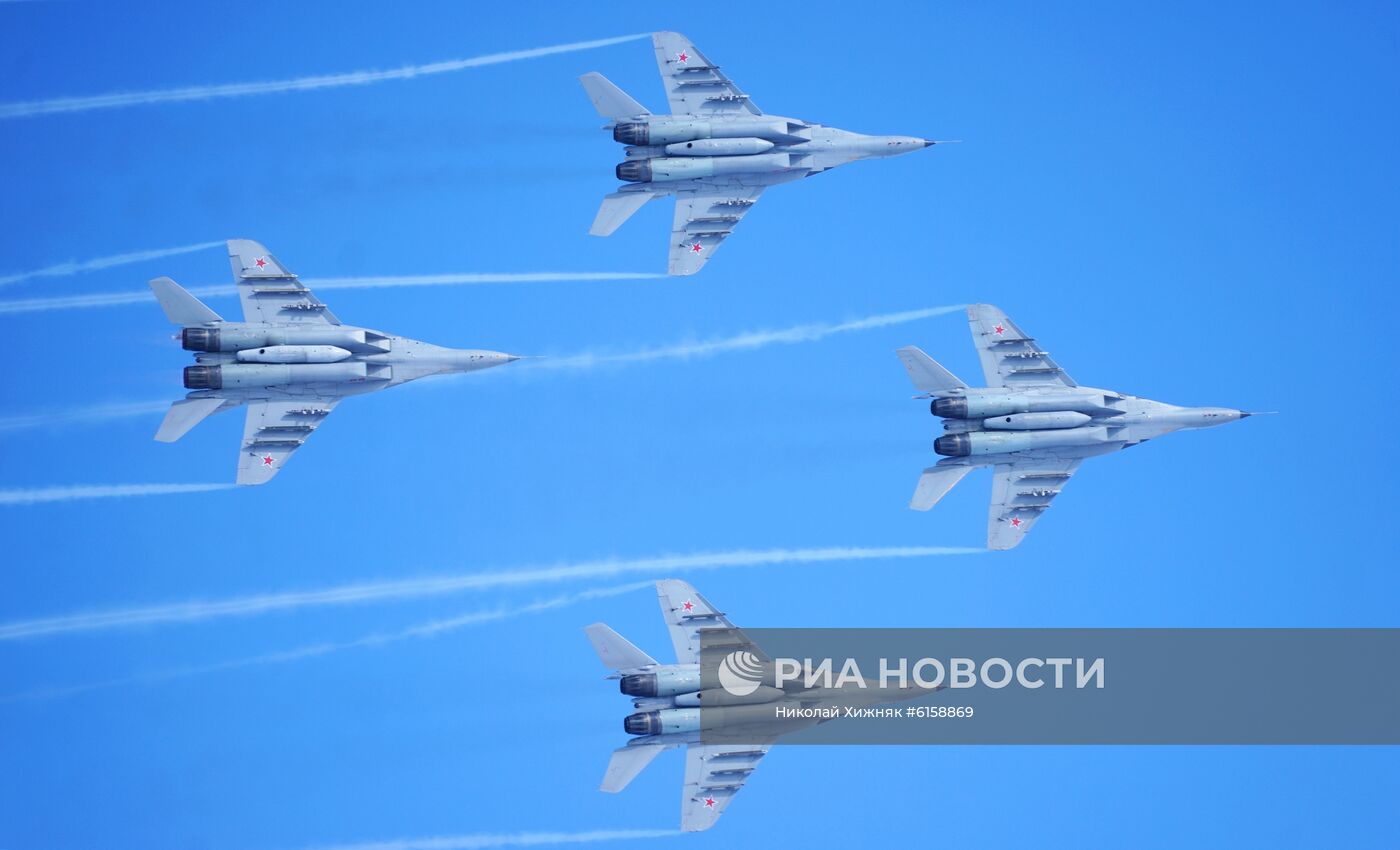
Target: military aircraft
739, 726
716, 151
1032, 423
290, 360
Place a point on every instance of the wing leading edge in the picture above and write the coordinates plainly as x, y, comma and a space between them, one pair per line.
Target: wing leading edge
704, 219
1021, 491
686, 612
714, 773
1010, 357
270, 293
694, 84
274, 430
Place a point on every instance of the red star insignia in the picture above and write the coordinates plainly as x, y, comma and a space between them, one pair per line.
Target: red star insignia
682, 57
260, 262
999, 330
709, 802
267, 460
1015, 522
696, 248
687, 605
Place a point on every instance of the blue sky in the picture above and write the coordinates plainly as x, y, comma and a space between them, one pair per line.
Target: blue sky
1194, 203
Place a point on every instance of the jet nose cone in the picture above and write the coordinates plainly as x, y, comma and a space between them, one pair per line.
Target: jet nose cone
928, 143
478, 359
1209, 416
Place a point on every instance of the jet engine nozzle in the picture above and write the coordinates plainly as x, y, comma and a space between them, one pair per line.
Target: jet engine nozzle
642, 723
199, 339
953, 445
663, 683
949, 408
632, 134
634, 171
203, 377
640, 685
666, 721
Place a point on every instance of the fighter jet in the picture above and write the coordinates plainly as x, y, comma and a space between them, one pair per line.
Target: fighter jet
716, 151
668, 700
1032, 423
290, 360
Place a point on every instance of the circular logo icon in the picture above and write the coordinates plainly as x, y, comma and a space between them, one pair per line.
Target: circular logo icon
740, 673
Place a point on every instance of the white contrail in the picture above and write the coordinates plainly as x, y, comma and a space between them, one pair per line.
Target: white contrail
421, 630
36, 495
743, 342
377, 591
73, 267
485, 841
95, 413
137, 296
26, 109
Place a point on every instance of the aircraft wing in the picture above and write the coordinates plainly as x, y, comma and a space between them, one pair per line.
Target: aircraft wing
1021, 492
714, 773
270, 293
687, 612
273, 430
1011, 358
693, 83
705, 216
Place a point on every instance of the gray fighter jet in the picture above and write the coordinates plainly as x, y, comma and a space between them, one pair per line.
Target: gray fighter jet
668, 700
716, 151
290, 360
1032, 423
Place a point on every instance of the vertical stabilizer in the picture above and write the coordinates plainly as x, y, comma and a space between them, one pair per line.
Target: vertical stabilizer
611, 102
616, 209
180, 307
616, 651
935, 483
184, 415
626, 763
926, 373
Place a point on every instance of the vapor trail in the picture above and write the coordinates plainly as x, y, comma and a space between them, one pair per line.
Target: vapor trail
421, 630
94, 413
398, 589
486, 841
73, 267
26, 109
743, 342
36, 495
139, 296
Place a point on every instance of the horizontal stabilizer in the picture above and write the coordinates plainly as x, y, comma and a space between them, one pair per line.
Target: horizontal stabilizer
180, 307
935, 483
928, 376
610, 101
616, 651
617, 208
184, 415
